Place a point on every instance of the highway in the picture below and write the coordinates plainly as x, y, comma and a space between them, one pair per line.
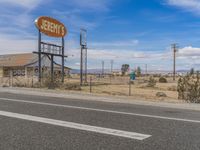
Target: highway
30, 122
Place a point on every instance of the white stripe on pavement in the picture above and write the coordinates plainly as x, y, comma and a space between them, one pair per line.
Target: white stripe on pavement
102, 110
101, 130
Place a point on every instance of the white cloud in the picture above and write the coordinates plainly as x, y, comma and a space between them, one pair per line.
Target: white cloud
17, 13
117, 43
97, 5
30, 4
188, 5
16, 16
75, 20
189, 52
187, 56
11, 45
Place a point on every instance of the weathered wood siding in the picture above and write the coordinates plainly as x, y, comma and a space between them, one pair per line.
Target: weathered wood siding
1, 71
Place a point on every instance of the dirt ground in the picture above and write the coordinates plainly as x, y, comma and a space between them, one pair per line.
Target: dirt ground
137, 90
114, 86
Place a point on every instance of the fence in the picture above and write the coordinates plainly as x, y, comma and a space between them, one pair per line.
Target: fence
19, 81
109, 85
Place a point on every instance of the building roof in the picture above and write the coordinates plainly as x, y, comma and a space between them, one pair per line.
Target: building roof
16, 60
20, 60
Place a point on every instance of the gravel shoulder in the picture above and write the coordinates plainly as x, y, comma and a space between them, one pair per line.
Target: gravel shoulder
97, 97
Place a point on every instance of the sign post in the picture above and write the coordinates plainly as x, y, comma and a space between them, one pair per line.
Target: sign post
83, 57
52, 28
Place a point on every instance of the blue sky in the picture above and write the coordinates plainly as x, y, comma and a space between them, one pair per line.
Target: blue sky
136, 32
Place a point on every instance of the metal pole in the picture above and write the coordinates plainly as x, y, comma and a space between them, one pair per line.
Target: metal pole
146, 69
39, 57
90, 84
52, 72
12, 78
102, 68
111, 66
83, 59
174, 78
129, 87
174, 61
81, 67
63, 54
86, 64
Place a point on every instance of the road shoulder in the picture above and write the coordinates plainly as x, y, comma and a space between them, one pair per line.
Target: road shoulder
96, 97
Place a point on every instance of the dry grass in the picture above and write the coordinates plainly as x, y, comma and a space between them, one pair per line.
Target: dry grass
117, 86
139, 90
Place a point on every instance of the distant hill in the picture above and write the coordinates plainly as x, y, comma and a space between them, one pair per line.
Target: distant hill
92, 71
107, 71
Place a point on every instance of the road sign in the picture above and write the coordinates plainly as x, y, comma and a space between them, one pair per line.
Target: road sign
51, 27
132, 76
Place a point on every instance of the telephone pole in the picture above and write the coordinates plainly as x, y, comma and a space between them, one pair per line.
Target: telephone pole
175, 49
102, 68
111, 69
146, 69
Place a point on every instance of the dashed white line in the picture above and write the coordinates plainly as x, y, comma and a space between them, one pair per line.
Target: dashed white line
101, 130
102, 110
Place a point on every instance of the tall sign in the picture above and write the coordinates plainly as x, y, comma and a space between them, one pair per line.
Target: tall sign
52, 28
83, 61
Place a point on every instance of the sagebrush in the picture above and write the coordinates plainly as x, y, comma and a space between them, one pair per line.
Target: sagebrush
189, 88
151, 82
162, 80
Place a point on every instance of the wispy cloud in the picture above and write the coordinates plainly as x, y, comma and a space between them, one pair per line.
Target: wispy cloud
30, 4
11, 44
74, 19
188, 5
16, 14
189, 52
116, 43
91, 5
163, 59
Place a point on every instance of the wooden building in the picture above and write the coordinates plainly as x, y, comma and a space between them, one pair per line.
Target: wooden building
26, 65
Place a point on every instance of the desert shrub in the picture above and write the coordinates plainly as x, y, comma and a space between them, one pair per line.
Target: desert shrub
151, 82
4, 85
162, 80
161, 94
37, 85
18, 84
70, 86
157, 75
189, 88
172, 88
47, 82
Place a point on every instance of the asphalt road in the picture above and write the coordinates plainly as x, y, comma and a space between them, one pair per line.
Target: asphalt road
48, 123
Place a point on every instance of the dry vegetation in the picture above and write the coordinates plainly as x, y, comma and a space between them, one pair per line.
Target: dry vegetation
189, 88
142, 88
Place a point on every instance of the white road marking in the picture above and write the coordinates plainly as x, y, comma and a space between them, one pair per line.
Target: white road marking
101, 130
102, 110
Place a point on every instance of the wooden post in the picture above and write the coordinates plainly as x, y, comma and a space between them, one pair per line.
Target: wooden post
129, 87
90, 84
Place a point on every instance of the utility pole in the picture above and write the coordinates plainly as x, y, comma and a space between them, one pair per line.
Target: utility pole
111, 69
102, 68
175, 49
146, 69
